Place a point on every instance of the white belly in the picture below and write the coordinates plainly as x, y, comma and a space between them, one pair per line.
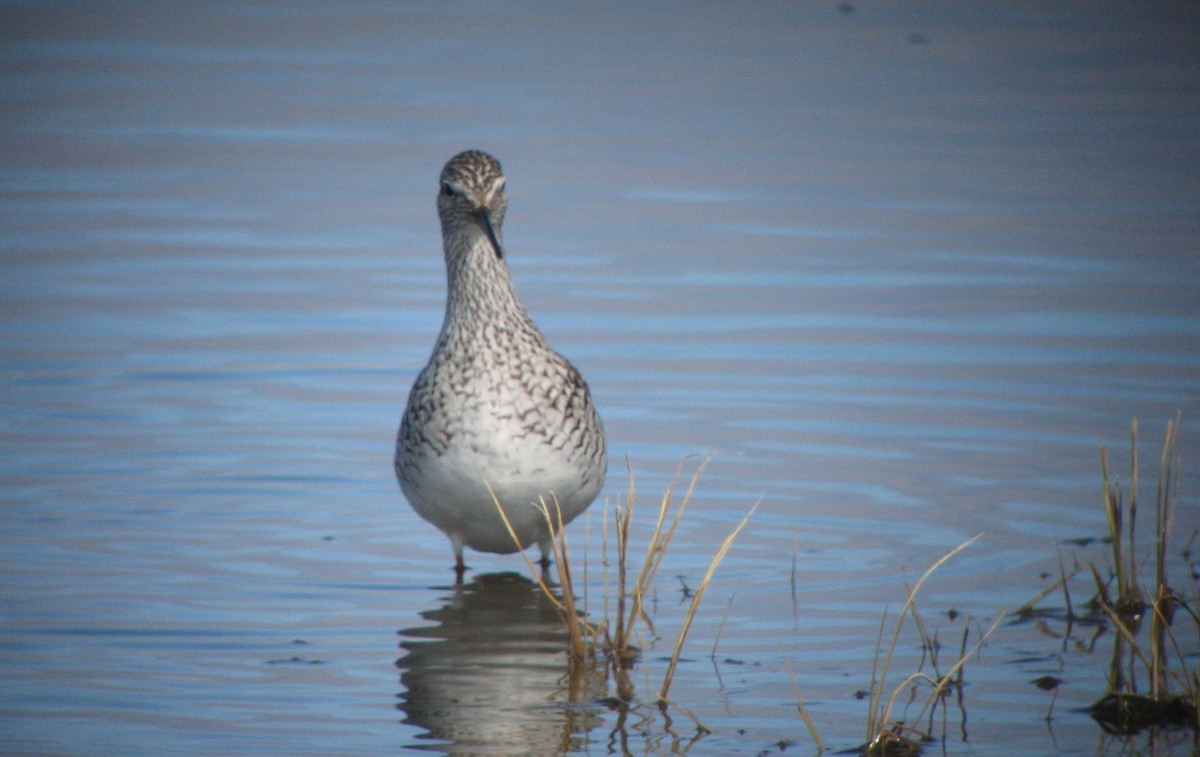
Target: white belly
451, 489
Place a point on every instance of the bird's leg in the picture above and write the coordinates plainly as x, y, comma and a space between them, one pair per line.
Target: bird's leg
544, 545
460, 567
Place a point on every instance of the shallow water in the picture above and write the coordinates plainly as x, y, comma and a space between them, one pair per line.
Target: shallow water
903, 269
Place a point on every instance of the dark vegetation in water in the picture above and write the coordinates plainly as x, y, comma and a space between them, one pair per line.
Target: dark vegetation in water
1126, 714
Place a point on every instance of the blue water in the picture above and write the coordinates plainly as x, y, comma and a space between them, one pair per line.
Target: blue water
903, 268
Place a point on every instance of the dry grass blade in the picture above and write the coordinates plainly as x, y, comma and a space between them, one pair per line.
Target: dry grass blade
875, 720
699, 595
812, 729
567, 610
1164, 517
660, 539
1062, 580
964, 654
562, 562
721, 626
1122, 529
631, 603
558, 605
876, 689
1113, 509
623, 628
1131, 569
1026, 610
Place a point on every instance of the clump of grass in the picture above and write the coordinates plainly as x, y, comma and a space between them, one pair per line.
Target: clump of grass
1149, 683
1125, 708
581, 635
885, 734
631, 601
611, 639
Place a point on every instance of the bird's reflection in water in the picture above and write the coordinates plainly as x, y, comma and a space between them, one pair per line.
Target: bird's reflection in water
492, 677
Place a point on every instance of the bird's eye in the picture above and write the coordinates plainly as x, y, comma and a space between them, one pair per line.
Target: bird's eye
447, 190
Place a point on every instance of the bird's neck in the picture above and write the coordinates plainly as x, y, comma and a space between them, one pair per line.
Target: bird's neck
479, 288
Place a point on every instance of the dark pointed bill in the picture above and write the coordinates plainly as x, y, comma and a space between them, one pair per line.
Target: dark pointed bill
485, 220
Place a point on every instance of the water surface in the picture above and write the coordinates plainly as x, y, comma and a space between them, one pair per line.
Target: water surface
903, 268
